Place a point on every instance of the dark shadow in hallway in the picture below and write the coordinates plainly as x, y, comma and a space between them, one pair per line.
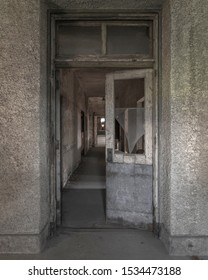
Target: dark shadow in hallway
83, 199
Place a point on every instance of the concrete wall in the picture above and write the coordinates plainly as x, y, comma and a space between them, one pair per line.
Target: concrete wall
107, 4
81, 105
24, 187
68, 124
73, 101
165, 123
186, 83
129, 194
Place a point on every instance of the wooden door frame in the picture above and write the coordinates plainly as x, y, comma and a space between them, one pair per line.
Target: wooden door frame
53, 64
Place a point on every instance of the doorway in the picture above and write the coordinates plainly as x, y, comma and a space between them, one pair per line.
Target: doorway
82, 147
127, 148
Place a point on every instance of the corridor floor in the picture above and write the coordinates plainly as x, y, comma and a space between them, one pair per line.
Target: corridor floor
83, 199
84, 234
110, 244
90, 174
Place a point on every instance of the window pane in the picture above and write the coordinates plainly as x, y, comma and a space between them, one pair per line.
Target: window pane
129, 116
79, 40
128, 40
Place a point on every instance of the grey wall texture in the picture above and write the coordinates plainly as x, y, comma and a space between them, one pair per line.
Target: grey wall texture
129, 194
24, 184
165, 122
68, 123
107, 4
73, 101
23, 132
187, 184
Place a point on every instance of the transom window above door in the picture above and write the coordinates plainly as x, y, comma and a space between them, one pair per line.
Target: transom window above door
104, 39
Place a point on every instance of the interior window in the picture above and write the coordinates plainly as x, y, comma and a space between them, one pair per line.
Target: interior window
129, 116
126, 40
79, 40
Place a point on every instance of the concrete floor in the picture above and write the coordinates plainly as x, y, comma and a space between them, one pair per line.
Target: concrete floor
110, 244
85, 234
91, 172
83, 199
83, 208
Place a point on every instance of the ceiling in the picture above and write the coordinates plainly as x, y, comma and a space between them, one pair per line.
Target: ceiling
92, 81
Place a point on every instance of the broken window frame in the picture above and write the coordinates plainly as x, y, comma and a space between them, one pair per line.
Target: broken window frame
147, 75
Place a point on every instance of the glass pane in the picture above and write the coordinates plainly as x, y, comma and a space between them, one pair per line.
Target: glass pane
128, 40
132, 122
129, 116
79, 40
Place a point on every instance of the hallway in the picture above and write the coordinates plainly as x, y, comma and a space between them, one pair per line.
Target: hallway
90, 173
83, 199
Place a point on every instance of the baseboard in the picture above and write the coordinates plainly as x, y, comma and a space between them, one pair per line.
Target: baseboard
24, 243
184, 245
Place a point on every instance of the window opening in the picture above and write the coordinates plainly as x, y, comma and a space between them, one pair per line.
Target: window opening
129, 116
101, 39
79, 40
124, 40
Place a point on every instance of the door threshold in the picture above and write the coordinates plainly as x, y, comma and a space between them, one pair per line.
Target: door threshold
67, 230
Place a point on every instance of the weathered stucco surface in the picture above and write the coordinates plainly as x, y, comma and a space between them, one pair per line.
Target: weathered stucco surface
188, 189
24, 186
165, 122
107, 4
23, 131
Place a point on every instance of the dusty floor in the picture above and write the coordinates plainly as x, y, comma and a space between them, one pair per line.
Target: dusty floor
91, 172
84, 233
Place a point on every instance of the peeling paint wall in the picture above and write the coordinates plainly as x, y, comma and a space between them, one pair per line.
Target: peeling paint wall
73, 101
